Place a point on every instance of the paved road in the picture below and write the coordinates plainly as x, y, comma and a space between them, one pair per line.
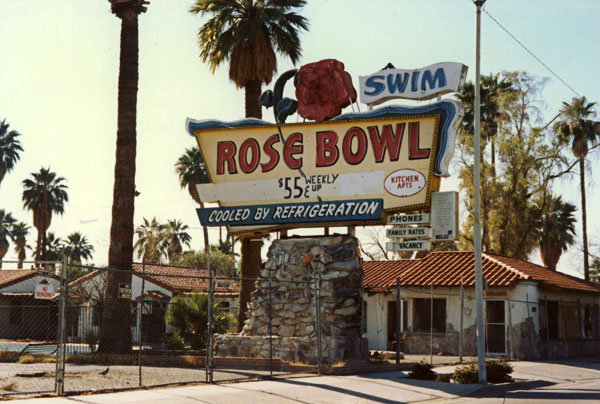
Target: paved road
561, 382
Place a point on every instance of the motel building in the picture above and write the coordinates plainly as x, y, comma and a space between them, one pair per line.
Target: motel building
530, 312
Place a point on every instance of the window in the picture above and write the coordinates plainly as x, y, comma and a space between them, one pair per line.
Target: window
422, 315
16, 313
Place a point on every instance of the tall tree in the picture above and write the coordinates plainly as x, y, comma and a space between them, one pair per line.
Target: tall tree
20, 232
580, 131
115, 333
150, 244
77, 247
495, 93
44, 194
7, 222
246, 33
10, 149
191, 170
176, 236
556, 230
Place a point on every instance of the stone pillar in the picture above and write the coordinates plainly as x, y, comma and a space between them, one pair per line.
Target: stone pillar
294, 265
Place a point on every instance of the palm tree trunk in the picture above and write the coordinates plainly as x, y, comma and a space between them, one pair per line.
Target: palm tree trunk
115, 334
586, 262
252, 93
250, 268
250, 251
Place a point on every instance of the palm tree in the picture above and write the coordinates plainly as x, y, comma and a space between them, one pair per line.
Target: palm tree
20, 232
7, 222
44, 194
577, 128
246, 33
191, 170
556, 231
54, 247
150, 242
77, 247
10, 148
175, 236
115, 333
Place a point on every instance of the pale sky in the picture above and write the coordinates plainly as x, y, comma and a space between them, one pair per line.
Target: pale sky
60, 60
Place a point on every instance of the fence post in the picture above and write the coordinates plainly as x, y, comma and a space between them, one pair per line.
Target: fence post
398, 319
431, 329
270, 325
139, 317
510, 339
462, 310
209, 339
547, 327
318, 304
62, 324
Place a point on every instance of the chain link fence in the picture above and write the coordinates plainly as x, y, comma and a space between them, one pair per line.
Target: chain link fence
437, 324
110, 329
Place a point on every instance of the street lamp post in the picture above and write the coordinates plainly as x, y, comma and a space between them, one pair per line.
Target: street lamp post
476, 203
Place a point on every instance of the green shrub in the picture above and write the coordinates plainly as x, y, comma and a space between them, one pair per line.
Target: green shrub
444, 377
173, 340
422, 371
497, 371
189, 315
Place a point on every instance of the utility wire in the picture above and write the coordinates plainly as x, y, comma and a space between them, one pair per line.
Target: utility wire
534, 56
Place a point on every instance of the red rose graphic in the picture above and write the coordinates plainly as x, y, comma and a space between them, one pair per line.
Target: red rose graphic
323, 89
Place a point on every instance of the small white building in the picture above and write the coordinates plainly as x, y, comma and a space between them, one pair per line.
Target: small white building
22, 315
152, 288
530, 312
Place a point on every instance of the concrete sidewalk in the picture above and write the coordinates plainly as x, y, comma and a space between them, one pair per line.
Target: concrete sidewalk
537, 380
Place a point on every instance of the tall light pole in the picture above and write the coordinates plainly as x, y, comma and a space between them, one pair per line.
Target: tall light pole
476, 202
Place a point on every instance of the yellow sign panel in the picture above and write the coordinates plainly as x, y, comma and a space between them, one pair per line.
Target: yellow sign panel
390, 155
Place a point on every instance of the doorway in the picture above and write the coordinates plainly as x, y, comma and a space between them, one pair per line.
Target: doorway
495, 330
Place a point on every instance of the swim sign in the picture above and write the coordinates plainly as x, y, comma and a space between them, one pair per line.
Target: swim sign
418, 84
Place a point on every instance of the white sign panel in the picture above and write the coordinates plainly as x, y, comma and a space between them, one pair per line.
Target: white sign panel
414, 245
417, 84
415, 218
408, 232
44, 291
444, 215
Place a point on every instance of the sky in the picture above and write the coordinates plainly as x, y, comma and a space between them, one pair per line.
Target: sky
60, 63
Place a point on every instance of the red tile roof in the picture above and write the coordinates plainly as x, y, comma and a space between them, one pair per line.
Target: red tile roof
447, 269
185, 280
178, 280
11, 276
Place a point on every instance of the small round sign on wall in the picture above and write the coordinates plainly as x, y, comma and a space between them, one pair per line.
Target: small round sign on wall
405, 182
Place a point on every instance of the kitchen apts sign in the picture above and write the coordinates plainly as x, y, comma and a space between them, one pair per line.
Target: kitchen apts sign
393, 154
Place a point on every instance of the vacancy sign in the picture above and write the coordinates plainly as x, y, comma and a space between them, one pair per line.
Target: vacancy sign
412, 245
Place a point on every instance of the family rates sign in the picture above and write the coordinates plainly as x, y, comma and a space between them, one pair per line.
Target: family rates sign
353, 169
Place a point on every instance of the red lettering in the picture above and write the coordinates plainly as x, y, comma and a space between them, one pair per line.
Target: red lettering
387, 141
254, 148
290, 149
225, 154
327, 150
358, 134
414, 153
271, 152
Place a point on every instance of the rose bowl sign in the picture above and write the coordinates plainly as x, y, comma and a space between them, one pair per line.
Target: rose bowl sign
354, 169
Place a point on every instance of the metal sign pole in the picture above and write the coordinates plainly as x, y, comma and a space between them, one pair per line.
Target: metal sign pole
476, 203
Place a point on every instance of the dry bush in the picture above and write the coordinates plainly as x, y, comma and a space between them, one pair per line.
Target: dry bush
8, 356
9, 387
29, 359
